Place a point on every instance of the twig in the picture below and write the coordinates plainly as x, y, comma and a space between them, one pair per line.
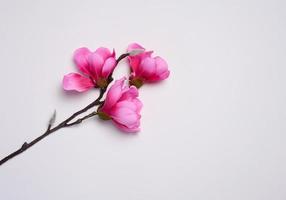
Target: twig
78, 121
50, 130
121, 57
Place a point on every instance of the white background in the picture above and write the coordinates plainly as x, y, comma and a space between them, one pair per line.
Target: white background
214, 130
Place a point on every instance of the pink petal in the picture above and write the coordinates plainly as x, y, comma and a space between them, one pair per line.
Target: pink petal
126, 129
77, 82
161, 65
126, 117
146, 68
96, 62
104, 52
126, 104
138, 104
108, 67
113, 95
146, 54
113, 53
162, 71
133, 46
132, 92
164, 75
134, 62
81, 59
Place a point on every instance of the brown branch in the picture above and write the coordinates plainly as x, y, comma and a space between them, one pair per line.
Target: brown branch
78, 121
121, 57
63, 124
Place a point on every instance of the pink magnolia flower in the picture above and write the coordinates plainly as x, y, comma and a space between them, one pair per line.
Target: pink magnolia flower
122, 106
146, 68
95, 68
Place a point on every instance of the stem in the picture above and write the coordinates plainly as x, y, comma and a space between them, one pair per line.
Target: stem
63, 124
78, 121
121, 57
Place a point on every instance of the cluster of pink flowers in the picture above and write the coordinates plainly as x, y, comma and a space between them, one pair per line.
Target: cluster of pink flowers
121, 104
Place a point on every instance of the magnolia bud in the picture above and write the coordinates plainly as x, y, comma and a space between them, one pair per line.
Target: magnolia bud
53, 118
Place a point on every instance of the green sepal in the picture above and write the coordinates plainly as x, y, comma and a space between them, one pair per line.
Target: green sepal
103, 116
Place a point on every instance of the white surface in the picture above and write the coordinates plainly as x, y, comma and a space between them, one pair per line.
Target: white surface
214, 130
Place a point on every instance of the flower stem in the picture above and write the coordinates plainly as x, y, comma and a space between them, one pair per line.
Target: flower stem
78, 121
122, 56
63, 124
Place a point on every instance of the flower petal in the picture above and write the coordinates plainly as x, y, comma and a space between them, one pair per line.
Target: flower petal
146, 68
138, 104
96, 62
77, 82
126, 129
133, 46
132, 92
134, 60
113, 95
108, 67
161, 65
81, 59
162, 71
164, 75
104, 52
126, 117
130, 104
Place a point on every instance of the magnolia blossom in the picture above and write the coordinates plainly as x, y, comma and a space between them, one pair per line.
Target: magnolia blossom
95, 68
122, 106
144, 67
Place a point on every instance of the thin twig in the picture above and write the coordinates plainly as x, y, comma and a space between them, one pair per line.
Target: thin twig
78, 121
121, 57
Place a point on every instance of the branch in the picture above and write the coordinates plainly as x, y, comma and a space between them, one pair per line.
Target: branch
63, 124
78, 121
